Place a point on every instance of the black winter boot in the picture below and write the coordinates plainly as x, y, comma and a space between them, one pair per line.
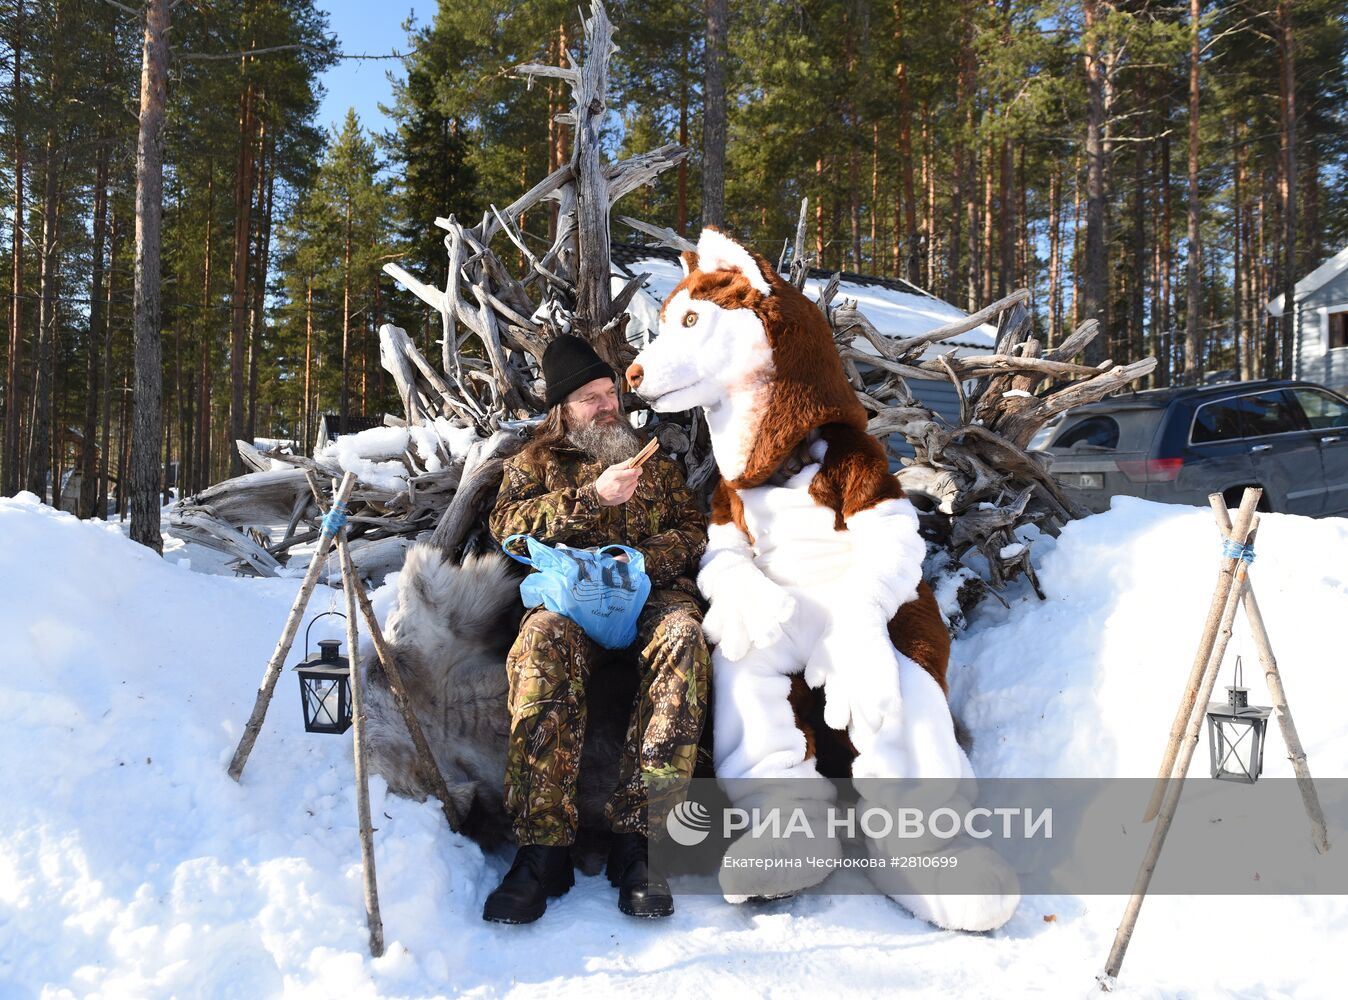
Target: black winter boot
641, 892
537, 873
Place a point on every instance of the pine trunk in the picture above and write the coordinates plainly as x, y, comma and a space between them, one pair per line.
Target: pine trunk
1237, 220
819, 212
905, 257
97, 334
960, 186
1078, 243
346, 322
105, 440
877, 265
40, 421
124, 448
145, 465
1287, 137
1006, 268
1193, 363
308, 420
243, 205
1054, 254
11, 475
1165, 365
681, 205
262, 239
202, 463
714, 115
1095, 266
1137, 285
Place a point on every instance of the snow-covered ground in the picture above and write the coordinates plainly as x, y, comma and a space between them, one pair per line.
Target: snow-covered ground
132, 866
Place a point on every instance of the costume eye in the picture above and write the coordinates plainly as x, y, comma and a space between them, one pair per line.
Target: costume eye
690, 318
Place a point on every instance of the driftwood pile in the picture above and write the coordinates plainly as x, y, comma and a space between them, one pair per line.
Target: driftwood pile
975, 481
232, 516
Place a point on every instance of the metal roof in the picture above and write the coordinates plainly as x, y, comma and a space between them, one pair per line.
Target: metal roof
1329, 269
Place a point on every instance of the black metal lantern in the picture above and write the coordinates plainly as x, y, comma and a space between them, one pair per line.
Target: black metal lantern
325, 685
1236, 732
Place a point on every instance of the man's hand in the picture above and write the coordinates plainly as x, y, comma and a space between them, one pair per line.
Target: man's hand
616, 484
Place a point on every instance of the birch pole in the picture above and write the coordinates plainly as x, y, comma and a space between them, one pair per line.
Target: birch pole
1295, 752
1225, 576
429, 769
278, 657
351, 585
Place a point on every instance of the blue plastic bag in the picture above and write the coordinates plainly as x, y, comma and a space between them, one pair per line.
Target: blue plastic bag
600, 593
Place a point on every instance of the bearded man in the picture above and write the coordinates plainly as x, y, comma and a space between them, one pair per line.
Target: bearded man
570, 484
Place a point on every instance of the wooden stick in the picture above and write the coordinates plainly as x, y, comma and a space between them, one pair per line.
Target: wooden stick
664, 234
351, 585
314, 488
1175, 786
1309, 797
639, 459
1221, 592
429, 769
278, 657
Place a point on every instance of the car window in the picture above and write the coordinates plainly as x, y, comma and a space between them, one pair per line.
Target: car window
1322, 409
1098, 432
1219, 421
1268, 413
1043, 436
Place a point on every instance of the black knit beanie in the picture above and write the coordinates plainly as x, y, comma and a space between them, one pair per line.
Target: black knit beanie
568, 364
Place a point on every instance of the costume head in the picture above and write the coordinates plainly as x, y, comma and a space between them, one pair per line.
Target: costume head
734, 328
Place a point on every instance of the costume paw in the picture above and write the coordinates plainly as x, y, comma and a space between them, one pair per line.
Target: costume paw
725, 632
751, 615
762, 867
980, 894
858, 668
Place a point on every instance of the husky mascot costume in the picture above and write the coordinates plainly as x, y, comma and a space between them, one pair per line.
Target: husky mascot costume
813, 572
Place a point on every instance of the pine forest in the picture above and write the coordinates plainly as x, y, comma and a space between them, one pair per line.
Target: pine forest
1167, 168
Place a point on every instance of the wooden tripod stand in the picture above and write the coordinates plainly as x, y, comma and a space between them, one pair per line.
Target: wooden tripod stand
334, 532
1233, 588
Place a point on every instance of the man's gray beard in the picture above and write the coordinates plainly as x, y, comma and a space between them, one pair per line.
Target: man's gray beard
606, 443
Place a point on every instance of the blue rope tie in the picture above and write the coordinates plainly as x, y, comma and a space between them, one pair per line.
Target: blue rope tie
1235, 550
334, 520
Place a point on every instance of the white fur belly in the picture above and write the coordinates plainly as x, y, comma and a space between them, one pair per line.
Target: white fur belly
795, 542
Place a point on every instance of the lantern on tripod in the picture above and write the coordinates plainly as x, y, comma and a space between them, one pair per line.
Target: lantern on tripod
325, 685
1236, 731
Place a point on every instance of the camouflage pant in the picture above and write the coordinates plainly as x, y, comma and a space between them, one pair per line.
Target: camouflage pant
547, 669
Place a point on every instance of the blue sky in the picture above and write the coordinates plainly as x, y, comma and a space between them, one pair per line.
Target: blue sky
373, 27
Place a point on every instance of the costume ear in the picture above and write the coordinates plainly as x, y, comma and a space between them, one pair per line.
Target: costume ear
718, 252
688, 261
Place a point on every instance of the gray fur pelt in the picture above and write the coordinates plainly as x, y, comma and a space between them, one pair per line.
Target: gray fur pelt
450, 631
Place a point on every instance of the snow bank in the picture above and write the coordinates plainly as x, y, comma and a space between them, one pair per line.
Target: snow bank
1103, 660
132, 866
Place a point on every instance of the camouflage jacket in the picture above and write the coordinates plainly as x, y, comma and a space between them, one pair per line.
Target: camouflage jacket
554, 500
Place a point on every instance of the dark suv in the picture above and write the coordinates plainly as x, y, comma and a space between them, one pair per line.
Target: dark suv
1179, 445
